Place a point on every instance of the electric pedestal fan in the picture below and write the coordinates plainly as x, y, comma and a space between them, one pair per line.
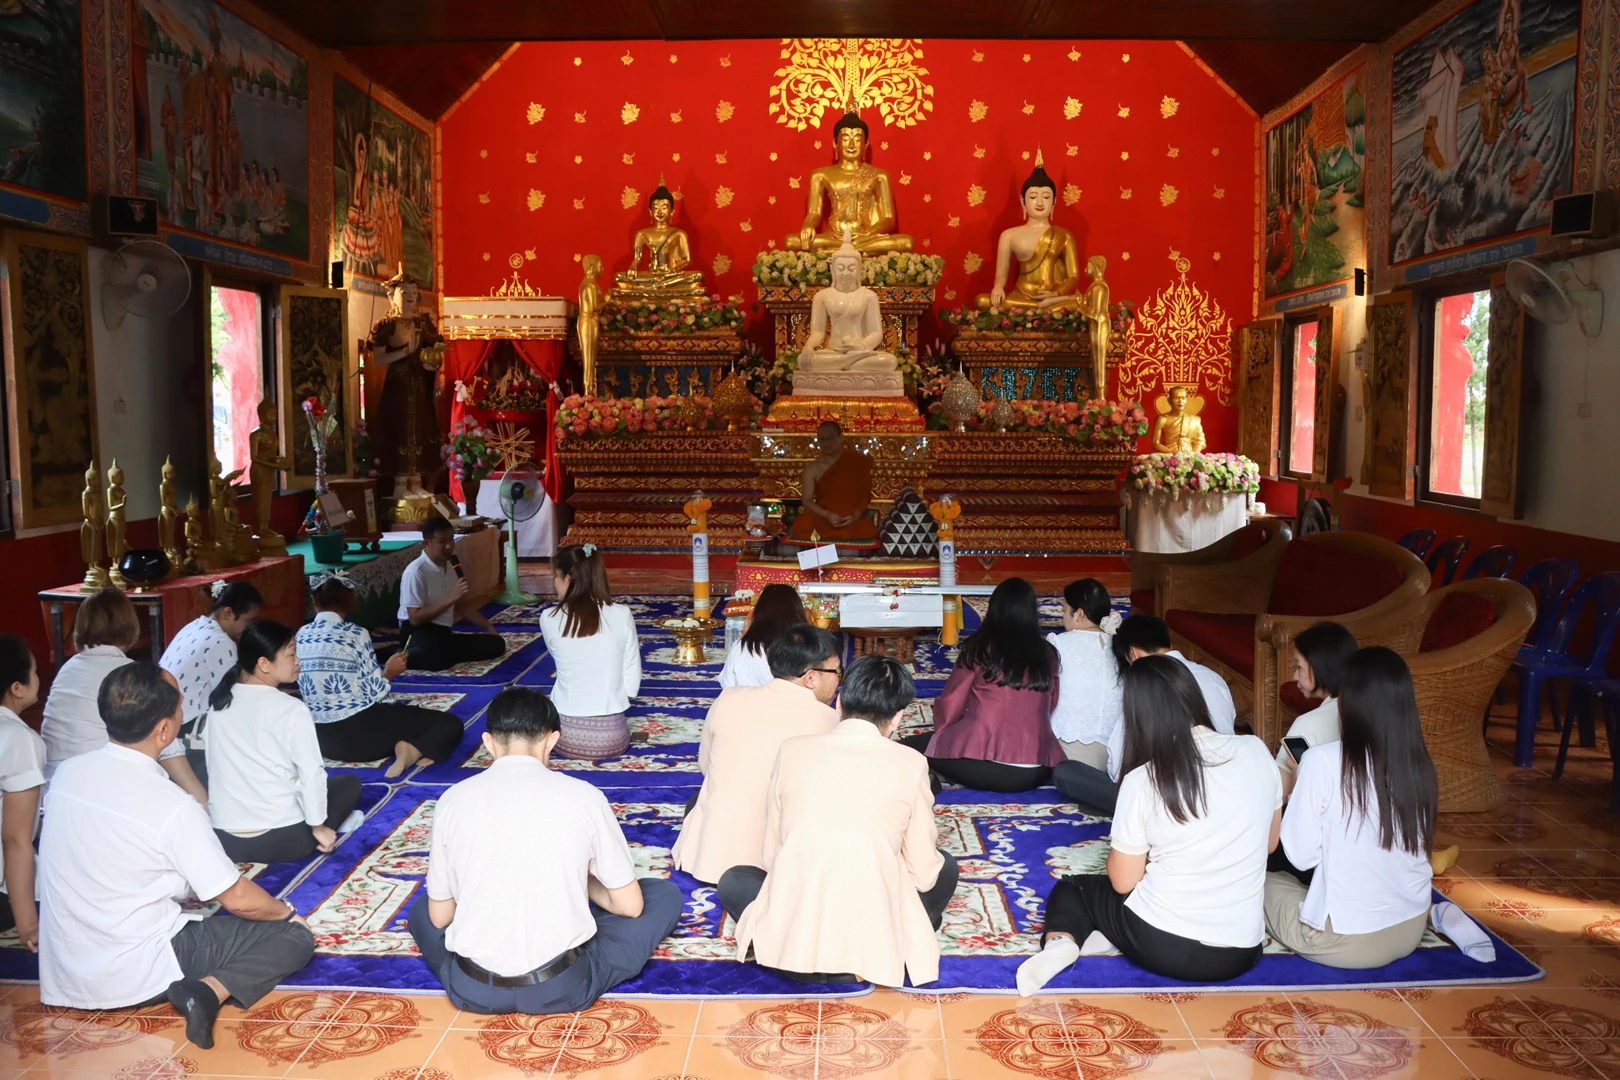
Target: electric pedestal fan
521, 497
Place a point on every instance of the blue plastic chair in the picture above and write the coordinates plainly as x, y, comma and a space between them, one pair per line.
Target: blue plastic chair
1418, 541
1442, 561
1554, 660
1492, 562
1550, 580
1602, 695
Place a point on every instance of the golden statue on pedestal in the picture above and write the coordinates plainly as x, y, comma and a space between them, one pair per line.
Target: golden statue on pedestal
1094, 306
668, 254
168, 518
588, 323
858, 195
92, 531
1048, 261
117, 524
264, 453
225, 545
1178, 429
199, 556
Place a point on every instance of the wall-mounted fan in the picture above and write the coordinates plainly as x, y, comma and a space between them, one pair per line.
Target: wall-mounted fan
143, 278
1552, 294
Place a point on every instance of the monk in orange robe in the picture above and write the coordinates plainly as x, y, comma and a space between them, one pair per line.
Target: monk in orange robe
837, 489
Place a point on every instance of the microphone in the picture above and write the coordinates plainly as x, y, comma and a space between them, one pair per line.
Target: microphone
455, 561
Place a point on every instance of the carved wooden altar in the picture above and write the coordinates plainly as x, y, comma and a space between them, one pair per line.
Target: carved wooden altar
1030, 365
628, 491
660, 365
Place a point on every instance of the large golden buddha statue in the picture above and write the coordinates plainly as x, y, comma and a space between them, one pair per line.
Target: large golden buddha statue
859, 196
668, 254
1048, 261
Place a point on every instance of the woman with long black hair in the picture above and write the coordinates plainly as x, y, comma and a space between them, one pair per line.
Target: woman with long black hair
593, 642
993, 720
1198, 812
777, 608
1362, 817
269, 796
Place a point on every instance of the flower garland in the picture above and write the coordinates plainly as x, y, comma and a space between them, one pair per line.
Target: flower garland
813, 268
1205, 474
583, 416
787, 363
1095, 423
467, 452
672, 317
1011, 320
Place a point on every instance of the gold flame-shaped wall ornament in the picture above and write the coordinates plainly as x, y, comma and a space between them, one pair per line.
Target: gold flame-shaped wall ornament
1179, 336
818, 74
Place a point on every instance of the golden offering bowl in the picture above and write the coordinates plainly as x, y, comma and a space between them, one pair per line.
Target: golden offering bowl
690, 636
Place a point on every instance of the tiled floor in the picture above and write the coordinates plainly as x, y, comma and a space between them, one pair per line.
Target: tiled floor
1544, 871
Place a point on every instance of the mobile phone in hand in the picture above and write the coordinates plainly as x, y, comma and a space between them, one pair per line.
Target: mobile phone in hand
1296, 748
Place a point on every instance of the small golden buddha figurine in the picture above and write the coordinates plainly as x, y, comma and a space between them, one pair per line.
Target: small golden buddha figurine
1094, 306
1178, 429
117, 524
224, 525
200, 558
264, 450
168, 519
1048, 261
668, 255
92, 531
588, 323
858, 195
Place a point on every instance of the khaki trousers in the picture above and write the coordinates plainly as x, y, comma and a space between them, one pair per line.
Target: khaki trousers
1094, 754
1284, 894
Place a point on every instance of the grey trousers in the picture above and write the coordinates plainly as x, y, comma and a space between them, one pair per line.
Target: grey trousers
620, 949
1284, 893
1087, 786
248, 958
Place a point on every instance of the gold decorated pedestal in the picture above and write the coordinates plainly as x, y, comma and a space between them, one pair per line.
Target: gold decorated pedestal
897, 460
802, 412
902, 306
1030, 365
629, 490
662, 365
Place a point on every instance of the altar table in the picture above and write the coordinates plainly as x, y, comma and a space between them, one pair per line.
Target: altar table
1162, 525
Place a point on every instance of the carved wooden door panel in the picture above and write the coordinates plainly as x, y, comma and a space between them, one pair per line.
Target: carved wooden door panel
1390, 397
1257, 393
1501, 493
1326, 423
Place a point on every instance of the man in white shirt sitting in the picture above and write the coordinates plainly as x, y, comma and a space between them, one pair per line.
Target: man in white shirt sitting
519, 854
1138, 636
430, 594
120, 843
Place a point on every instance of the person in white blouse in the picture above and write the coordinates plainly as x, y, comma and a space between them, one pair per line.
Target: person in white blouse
1320, 655
200, 655
598, 656
777, 608
347, 691
22, 777
270, 797
1089, 694
104, 627
1184, 890
1362, 819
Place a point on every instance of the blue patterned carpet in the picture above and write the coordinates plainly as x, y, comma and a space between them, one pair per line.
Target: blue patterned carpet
1011, 852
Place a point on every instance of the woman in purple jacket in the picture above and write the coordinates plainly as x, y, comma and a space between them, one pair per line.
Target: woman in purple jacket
993, 720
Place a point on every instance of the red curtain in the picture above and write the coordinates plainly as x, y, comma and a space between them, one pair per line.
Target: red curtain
462, 360
545, 359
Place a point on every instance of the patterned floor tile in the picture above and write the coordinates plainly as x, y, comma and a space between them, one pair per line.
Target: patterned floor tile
610, 1033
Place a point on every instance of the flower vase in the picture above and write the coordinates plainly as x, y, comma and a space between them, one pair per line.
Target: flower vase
469, 489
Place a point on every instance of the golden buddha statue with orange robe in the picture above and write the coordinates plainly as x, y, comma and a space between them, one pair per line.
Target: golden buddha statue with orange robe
835, 494
1048, 260
858, 197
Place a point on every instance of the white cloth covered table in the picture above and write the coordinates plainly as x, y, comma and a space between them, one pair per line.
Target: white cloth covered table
536, 537
1165, 526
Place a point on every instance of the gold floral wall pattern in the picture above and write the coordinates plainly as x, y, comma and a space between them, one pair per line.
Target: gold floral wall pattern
1182, 336
828, 74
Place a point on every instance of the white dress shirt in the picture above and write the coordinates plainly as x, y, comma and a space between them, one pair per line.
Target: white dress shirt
120, 844
198, 657
1319, 726
1357, 884
1217, 699
424, 584
745, 667
265, 768
338, 674
596, 675
22, 760
73, 724
520, 893
1090, 699
1205, 877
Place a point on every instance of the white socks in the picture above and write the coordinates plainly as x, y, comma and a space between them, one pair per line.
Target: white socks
1044, 966
355, 819
1453, 922
1096, 945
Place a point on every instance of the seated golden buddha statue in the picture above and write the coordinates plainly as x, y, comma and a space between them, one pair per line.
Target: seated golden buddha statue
1177, 430
666, 276
1048, 261
859, 196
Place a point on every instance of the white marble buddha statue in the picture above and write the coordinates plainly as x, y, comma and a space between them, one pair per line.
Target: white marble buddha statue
843, 352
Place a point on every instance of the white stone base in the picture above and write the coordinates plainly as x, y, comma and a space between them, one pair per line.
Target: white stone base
849, 384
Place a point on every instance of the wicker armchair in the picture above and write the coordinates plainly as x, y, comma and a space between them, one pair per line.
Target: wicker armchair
1257, 544
1243, 625
1458, 641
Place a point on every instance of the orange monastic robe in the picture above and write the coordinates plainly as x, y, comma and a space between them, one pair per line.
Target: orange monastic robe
845, 488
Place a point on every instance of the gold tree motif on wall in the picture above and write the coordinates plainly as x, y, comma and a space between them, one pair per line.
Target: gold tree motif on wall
832, 73
1182, 336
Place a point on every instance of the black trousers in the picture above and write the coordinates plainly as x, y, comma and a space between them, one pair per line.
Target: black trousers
295, 841
1088, 786
248, 958
432, 647
981, 775
372, 732
1082, 903
739, 887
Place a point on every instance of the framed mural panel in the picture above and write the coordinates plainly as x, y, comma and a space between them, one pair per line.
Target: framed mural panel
314, 333
1315, 212
42, 123
1484, 125
1258, 388
382, 188
50, 375
221, 113
1390, 397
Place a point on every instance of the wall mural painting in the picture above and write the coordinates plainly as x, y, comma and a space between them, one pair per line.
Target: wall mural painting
221, 126
382, 188
42, 97
1484, 125
1315, 199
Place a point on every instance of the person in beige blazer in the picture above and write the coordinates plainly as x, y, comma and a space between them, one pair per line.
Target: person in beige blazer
852, 881
746, 726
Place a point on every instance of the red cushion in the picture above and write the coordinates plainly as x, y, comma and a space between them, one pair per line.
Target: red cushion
1250, 539
1296, 701
1457, 618
1142, 601
1325, 579
1228, 638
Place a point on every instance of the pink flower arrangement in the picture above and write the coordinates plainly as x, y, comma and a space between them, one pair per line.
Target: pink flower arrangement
1095, 423
580, 416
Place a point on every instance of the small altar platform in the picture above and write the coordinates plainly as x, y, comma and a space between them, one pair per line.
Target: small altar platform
806, 412
1027, 365
662, 365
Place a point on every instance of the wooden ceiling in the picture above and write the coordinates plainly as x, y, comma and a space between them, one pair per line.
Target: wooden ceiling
429, 51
